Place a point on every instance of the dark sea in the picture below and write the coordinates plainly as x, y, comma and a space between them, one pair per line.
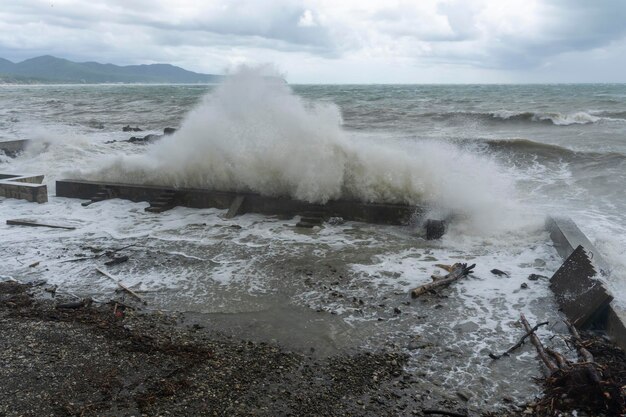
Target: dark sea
494, 159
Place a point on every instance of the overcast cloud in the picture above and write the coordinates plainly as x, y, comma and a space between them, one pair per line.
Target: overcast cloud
335, 41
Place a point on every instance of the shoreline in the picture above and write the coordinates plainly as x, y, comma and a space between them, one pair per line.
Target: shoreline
106, 359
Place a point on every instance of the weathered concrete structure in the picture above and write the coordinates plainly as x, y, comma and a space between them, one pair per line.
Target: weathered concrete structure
13, 147
569, 241
24, 187
162, 198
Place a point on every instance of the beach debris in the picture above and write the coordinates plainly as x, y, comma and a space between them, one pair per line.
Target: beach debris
443, 413
24, 222
99, 252
121, 285
34, 264
84, 302
536, 277
116, 260
499, 273
127, 128
580, 385
520, 343
456, 271
448, 268
435, 229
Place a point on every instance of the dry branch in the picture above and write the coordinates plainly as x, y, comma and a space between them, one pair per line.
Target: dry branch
540, 350
518, 344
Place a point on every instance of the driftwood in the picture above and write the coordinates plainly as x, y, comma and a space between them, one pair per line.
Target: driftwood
576, 385
108, 253
457, 271
118, 260
85, 302
122, 286
443, 413
541, 352
18, 222
518, 344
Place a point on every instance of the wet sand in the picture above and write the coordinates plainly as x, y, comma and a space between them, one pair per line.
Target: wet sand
110, 360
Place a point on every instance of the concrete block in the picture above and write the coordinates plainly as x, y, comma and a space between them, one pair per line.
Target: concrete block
567, 237
236, 207
23, 187
616, 325
382, 213
13, 147
580, 296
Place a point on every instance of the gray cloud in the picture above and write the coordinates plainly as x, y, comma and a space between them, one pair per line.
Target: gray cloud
467, 33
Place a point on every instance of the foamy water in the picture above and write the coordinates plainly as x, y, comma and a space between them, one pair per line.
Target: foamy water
497, 177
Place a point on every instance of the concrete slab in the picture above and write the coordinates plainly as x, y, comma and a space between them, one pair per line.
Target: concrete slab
23, 187
580, 296
616, 325
13, 147
381, 213
567, 237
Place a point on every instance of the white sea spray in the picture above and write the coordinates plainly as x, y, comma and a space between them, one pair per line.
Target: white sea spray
252, 133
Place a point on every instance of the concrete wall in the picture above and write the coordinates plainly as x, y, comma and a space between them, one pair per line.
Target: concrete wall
23, 187
567, 237
13, 147
254, 203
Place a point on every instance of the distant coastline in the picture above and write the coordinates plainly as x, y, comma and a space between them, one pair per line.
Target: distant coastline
52, 70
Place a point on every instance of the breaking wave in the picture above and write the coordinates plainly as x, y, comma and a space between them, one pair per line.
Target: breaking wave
252, 133
556, 152
553, 118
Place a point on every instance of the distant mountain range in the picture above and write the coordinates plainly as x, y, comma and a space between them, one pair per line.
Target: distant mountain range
49, 69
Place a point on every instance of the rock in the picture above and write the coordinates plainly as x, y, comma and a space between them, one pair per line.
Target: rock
397, 311
147, 138
169, 131
435, 229
524, 286
127, 128
464, 395
536, 277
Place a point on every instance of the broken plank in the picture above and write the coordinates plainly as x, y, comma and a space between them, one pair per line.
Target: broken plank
122, 286
18, 222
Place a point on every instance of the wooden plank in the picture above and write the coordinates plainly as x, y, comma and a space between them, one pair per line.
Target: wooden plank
19, 222
122, 286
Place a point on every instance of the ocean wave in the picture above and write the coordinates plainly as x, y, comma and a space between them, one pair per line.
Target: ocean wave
553, 118
546, 150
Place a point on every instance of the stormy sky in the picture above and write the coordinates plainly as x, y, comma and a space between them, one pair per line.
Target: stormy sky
332, 41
